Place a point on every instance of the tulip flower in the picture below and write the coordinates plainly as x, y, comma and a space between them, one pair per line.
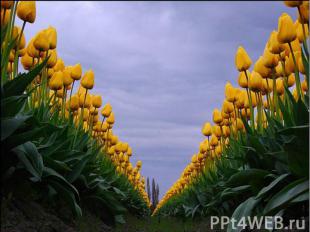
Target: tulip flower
106, 110
273, 44
88, 80
6, 5
286, 29
256, 82
56, 81
76, 72
26, 11
110, 119
217, 117
206, 129
242, 60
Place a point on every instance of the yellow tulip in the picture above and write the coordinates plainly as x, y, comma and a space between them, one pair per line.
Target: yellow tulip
21, 52
229, 92
280, 86
299, 31
216, 130
129, 151
206, 129
217, 116
226, 131
52, 59
242, 79
88, 79
279, 70
256, 82
76, 72
267, 85
239, 123
67, 77
110, 119
214, 140
286, 29
26, 11
304, 86
106, 110
228, 107
51, 34
86, 101
242, 60
241, 99
31, 50
261, 68
97, 101
269, 60
300, 64
60, 65
40, 41
74, 103
124, 147
291, 80
289, 65
56, 81
273, 45
50, 72
27, 61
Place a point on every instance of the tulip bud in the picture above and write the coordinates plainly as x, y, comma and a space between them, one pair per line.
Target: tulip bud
280, 86
21, 52
286, 29
217, 117
110, 119
216, 130
32, 51
40, 41
291, 80
56, 82
242, 60
67, 77
97, 101
86, 101
299, 31
304, 86
52, 59
129, 151
206, 129
214, 140
228, 107
74, 103
289, 65
273, 45
51, 34
229, 92
242, 80
267, 85
269, 60
50, 72
301, 67
261, 68
26, 11
256, 82
27, 62
88, 79
76, 72
241, 99
106, 110
60, 65
226, 131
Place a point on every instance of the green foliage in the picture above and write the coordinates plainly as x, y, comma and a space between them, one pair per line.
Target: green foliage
38, 147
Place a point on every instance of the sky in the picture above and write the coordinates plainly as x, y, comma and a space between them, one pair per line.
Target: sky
162, 65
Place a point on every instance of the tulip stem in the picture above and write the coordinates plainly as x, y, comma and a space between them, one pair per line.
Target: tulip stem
298, 86
250, 101
70, 97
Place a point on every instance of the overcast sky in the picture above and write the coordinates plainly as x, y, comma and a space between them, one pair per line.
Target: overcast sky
162, 65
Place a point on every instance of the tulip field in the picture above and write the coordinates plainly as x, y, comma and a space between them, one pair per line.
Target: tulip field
58, 146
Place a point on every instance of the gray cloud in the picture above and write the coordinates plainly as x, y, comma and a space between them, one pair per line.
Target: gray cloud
162, 65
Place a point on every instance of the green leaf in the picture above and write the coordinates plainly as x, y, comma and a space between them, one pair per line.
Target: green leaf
19, 84
10, 125
271, 186
77, 169
30, 158
245, 209
11, 106
244, 177
287, 194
